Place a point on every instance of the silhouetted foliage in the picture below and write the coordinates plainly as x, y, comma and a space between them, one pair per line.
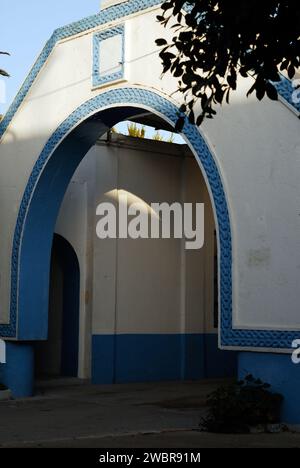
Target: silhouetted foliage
236, 408
218, 40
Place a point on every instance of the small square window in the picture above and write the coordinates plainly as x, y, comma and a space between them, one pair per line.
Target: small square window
108, 56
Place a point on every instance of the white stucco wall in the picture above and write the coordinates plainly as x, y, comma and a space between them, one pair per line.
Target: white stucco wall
138, 286
256, 146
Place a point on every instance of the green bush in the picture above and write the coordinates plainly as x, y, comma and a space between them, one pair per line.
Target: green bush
236, 408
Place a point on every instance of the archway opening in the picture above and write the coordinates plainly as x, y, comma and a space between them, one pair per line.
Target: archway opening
153, 304
58, 355
36, 222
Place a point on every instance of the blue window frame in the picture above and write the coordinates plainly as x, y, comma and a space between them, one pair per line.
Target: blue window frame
101, 76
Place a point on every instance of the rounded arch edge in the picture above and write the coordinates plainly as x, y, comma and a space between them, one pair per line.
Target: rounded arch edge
133, 97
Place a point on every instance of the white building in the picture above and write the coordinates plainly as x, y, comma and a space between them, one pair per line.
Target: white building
147, 308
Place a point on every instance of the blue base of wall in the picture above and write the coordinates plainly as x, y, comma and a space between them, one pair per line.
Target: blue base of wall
279, 371
156, 357
18, 372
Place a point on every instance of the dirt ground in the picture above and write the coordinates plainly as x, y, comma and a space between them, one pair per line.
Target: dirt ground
75, 414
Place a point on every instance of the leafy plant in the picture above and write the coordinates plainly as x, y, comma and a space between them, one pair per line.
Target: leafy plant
218, 41
235, 408
135, 131
158, 137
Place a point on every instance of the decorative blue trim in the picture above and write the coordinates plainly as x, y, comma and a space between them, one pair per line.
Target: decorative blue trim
110, 14
138, 98
103, 17
98, 38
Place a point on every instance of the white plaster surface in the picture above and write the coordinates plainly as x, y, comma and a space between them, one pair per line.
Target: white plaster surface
108, 3
256, 147
110, 55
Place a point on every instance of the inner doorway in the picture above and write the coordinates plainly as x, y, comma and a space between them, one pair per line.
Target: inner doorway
58, 356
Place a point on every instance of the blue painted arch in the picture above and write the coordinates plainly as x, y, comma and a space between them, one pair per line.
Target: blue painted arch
46, 187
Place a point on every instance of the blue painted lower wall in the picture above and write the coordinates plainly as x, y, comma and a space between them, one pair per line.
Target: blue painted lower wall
131, 358
279, 371
156, 357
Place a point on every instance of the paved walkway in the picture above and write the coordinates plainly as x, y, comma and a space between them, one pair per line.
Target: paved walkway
162, 415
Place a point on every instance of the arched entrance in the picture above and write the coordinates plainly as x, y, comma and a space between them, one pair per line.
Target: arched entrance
58, 356
52, 173
49, 180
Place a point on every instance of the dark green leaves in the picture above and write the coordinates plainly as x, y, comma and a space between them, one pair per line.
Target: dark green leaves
244, 404
179, 124
161, 42
218, 41
291, 71
167, 5
271, 92
3, 73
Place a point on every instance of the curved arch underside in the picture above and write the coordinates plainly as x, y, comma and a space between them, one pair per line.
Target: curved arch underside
49, 180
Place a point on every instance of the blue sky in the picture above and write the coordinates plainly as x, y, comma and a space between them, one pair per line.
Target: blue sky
26, 25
